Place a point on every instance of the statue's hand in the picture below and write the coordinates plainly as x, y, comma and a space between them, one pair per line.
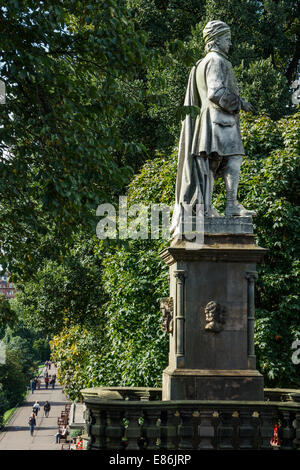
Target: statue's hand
247, 107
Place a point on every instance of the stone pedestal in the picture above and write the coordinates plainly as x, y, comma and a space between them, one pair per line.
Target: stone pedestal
211, 314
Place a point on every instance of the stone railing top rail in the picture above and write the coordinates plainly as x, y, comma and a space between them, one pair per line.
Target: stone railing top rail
282, 394
154, 394
123, 393
193, 405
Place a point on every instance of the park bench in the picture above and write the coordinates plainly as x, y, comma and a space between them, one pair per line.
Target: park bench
65, 446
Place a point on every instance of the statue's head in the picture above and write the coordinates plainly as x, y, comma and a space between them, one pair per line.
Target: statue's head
211, 313
214, 316
217, 35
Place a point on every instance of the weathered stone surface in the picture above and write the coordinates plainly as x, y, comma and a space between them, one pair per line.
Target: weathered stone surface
215, 274
228, 225
212, 385
99, 392
210, 144
122, 393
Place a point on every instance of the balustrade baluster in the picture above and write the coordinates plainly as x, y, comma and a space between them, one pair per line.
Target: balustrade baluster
164, 429
172, 429
206, 430
133, 431
287, 430
297, 431
186, 429
97, 425
114, 428
225, 430
152, 429
267, 419
88, 418
246, 429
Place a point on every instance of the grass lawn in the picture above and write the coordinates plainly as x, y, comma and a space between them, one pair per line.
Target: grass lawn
7, 415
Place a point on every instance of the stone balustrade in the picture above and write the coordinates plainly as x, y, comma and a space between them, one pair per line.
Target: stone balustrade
114, 422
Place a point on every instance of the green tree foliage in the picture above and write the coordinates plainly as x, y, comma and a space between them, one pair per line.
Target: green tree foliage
135, 108
129, 349
76, 351
264, 85
265, 53
63, 63
7, 315
24, 351
4, 405
95, 88
136, 348
271, 186
12, 377
63, 294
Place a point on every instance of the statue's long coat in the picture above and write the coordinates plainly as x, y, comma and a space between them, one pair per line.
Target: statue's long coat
215, 131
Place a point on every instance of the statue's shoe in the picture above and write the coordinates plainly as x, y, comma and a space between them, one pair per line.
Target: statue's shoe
213, 212
237, 210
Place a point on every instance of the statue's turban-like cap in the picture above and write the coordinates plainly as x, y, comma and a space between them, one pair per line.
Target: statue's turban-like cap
214, 29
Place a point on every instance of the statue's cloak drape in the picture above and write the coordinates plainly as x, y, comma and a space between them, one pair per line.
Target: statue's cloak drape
192, 179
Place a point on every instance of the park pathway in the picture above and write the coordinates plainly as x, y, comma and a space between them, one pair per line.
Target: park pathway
16, 436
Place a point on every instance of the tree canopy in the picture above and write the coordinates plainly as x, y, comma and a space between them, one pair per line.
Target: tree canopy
94, 106
62, 153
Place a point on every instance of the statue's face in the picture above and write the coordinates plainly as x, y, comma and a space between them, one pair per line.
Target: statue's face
225, 42
210, 314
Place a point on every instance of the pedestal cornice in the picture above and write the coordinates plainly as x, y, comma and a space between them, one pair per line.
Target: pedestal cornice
235, 253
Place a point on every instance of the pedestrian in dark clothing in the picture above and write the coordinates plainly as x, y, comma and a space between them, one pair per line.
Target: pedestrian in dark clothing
52, 382
32, 423
46, 382
32, 386
47, 408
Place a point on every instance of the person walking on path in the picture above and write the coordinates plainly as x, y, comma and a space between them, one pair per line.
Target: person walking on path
36, 408
32, 423
47, 408
49, 365
38, 382
52, 382
16, 435
32, 386
46, 382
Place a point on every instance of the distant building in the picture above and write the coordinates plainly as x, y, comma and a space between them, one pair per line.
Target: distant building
6, 287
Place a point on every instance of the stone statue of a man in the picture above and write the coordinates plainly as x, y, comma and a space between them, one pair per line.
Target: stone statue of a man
210, 146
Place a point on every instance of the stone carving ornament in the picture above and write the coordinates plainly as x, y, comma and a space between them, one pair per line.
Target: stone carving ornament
166, 307
215, 316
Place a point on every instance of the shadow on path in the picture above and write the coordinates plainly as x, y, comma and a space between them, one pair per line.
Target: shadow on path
53, 403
